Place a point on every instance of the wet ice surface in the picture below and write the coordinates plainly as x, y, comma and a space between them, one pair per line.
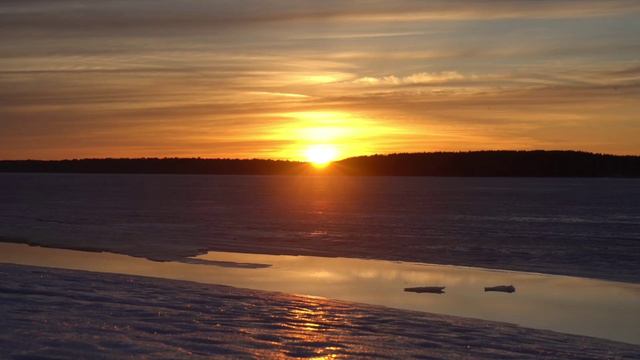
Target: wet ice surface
581, 227
49, 313
572, 305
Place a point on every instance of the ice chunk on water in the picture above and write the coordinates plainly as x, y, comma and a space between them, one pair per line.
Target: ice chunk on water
426, 289
501, 288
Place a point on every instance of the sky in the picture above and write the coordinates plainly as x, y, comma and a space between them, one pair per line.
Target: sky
273, 79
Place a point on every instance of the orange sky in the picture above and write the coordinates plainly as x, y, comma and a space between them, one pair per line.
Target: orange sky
261, 79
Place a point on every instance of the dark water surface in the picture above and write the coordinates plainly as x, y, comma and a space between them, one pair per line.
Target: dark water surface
583, 227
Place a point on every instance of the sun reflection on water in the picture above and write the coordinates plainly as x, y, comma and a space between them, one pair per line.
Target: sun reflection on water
315, 330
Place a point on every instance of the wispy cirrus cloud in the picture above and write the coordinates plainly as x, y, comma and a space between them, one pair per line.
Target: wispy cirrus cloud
417, 78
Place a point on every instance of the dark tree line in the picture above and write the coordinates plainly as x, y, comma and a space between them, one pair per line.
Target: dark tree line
495, 163
474, 163
156, 166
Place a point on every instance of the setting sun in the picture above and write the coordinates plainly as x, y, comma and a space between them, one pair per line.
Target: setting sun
321, 155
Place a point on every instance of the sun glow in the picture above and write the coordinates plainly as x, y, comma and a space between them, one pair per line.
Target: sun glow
321, 137
321, 155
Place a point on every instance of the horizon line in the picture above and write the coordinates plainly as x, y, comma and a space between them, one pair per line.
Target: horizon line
337, 160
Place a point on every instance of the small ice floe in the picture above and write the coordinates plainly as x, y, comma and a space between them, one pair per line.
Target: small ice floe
426, 289
501, 288
226, 264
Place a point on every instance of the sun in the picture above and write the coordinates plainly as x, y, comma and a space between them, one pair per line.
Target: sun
321, 155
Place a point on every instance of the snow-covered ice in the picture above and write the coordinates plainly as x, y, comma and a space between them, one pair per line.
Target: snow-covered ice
580, 227
605, 309
50, 313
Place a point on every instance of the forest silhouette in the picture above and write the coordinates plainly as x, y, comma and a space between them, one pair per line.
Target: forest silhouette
536, 163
